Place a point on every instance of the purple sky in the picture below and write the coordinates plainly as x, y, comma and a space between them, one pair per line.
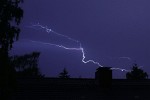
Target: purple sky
107, 29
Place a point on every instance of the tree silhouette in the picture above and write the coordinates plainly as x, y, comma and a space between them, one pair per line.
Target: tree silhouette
10, 17
64, 74
26, 65
136, 73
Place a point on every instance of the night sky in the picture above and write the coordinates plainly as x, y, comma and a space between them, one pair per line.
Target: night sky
109, 30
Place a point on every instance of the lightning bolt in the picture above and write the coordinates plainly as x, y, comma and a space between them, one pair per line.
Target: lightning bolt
80, 48
77, 49
126, 58
48, 30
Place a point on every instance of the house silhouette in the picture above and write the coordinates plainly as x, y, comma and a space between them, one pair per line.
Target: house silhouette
103, 87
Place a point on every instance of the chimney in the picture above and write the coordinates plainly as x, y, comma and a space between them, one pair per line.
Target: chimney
103, 77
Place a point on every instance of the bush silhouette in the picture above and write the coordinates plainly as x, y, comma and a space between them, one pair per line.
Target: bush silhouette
64, 74
136, 73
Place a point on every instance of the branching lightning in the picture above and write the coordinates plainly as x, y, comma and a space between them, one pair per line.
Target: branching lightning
77, 49
80, 48
48, 30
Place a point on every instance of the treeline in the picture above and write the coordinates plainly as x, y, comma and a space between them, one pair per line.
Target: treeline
136, 73
26, 66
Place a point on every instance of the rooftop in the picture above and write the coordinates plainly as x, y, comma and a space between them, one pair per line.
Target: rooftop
81, 89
